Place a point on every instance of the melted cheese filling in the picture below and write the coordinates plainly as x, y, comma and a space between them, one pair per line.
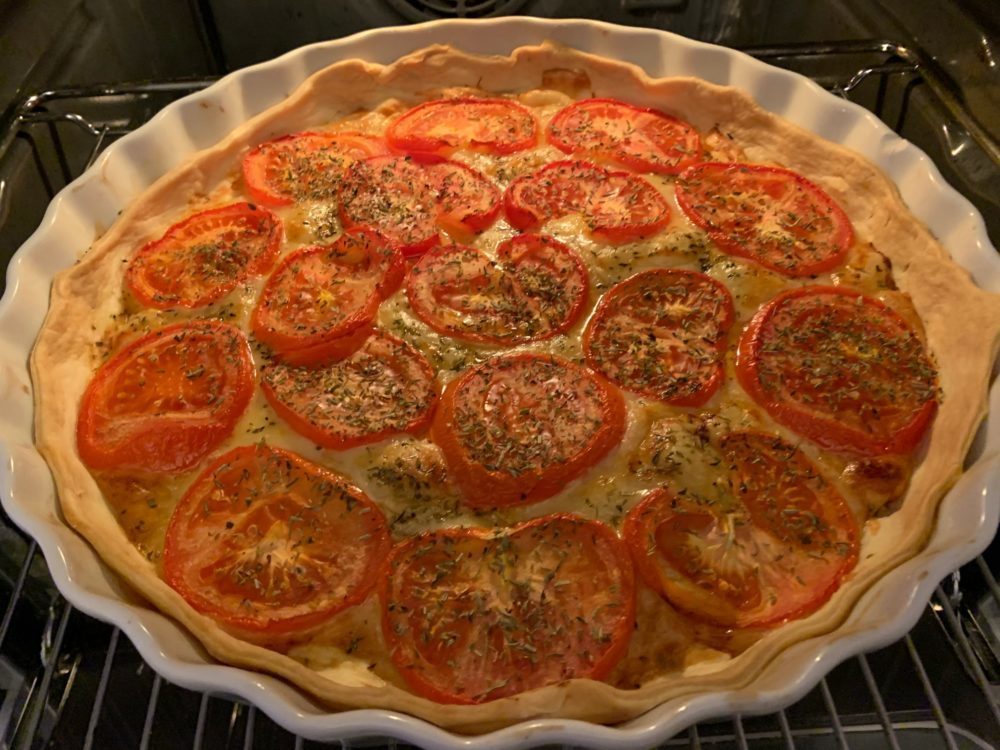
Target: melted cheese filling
406, 476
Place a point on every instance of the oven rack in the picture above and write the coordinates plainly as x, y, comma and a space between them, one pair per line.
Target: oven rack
70, 681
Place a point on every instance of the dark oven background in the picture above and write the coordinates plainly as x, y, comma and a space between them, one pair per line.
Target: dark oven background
928, 69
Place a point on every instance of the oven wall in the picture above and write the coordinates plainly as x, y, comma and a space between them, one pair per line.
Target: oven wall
55, 42
44, 43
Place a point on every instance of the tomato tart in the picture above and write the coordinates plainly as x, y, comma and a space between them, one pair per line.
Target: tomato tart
492, 388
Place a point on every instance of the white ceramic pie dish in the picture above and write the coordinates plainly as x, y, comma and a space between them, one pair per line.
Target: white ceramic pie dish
86, 208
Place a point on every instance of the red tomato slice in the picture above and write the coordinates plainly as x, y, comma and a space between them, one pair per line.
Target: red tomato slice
535, 289
165, 401
497, 126
304, 166
841, 369
769, 215
269, 544
662, 333
319, 296
617, 206
775, 551
646, 140
384, 388
202, 258
472, 615
518, 428
410, 200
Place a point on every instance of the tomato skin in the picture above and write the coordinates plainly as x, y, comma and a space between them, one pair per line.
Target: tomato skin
610, 343
468, 653
169, 273
869, 347
502, 396
776, 551
327, 352
712, 192
412, 198
271, 545
327, 404
496, 126
310, 158
617, 206
666, 144
166, 400
539, 286
320, 303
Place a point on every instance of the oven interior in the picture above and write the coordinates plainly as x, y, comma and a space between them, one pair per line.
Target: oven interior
90, 71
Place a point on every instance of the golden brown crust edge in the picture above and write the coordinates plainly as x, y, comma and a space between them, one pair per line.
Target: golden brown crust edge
962, 324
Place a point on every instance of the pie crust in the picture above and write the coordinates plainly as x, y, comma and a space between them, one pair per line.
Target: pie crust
961, 322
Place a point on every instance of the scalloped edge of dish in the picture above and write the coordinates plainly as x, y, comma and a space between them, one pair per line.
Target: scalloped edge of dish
967, 518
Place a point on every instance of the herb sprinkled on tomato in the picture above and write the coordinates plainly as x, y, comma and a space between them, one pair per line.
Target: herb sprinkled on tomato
841, 369
204, 257
616, 206
774, 548
319, 304
472, 615
769, 215
662, 333
638, 138
304, 166
384, 388
271, 545
518, 428
412, 200
496, 126
536, 288
166, 400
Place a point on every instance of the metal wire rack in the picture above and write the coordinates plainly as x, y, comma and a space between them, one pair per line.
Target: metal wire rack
69, 681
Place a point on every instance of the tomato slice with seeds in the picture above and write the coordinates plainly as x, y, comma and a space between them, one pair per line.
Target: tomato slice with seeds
304, 166
411, 200
662, 333
384, 388
776, 550
496, 126
472, 615
535, 289
769, 215
201, 259
840, 368
320, 296
617, 206
166, 400
639, 138
519, 427
269, 544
